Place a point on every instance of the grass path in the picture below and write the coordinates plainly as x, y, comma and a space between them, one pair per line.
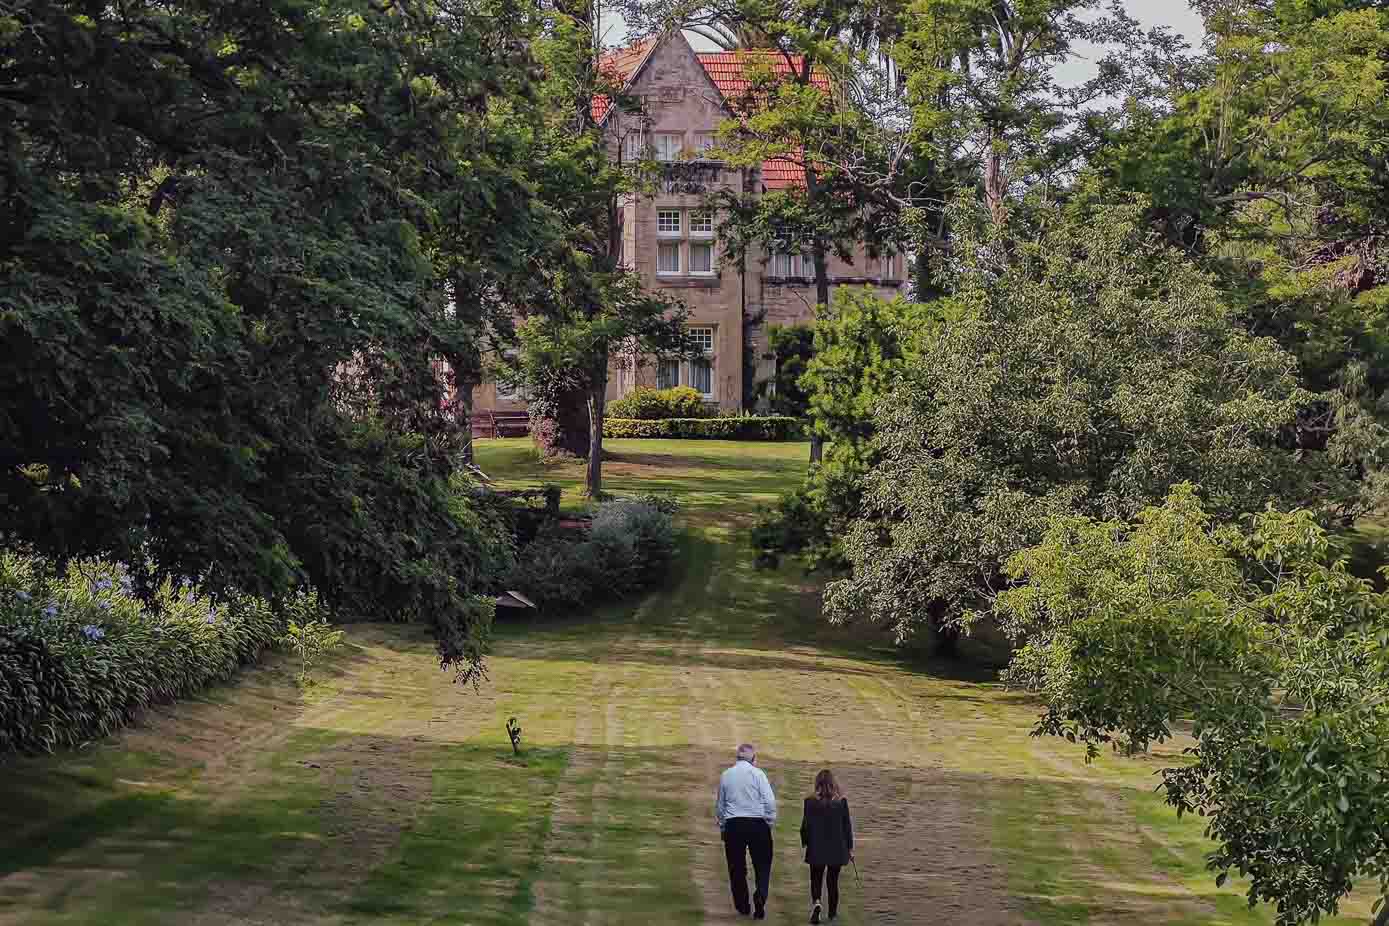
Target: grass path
386, 794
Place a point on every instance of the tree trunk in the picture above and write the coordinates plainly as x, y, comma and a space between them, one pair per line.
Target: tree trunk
560, 427
597, 402
822, 301
995, 190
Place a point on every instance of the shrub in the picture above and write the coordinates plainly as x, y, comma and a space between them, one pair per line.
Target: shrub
310, 641
773, 428
80, 654
657, 404
629, 547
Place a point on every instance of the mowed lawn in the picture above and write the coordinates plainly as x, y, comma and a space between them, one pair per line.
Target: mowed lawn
388, 794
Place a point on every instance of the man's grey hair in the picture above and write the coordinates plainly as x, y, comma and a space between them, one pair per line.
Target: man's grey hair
747, 751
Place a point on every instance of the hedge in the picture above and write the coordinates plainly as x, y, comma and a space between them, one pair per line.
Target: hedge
81, 654
653, 404
774, 428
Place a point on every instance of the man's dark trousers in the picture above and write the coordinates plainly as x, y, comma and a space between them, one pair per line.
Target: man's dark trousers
742, 835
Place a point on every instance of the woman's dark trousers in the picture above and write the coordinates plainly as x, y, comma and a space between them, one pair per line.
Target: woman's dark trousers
817, 874
741, 836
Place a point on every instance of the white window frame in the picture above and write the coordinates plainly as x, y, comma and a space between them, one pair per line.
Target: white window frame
674, 245
677, 231
668, 145
795, 265
703, 142
713, 262
661, 366
634, 145
706, 335
708, 230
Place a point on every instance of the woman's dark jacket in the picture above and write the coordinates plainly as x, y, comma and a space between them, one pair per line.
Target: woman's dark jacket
827, 832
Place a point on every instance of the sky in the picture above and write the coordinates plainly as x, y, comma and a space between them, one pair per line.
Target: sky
1174, 13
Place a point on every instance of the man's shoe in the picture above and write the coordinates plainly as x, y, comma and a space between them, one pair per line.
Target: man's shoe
815, 911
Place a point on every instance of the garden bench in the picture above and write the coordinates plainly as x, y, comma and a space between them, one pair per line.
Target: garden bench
510, 424
500, 424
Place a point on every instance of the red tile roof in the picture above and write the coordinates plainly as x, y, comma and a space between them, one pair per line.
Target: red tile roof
619, 66
728, 71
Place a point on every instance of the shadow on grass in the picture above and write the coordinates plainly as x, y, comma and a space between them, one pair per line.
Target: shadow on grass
967, 847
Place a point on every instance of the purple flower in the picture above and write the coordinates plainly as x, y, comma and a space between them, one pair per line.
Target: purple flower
103, 584
212, 614
93, 632
23, 596
51, 610
104, 605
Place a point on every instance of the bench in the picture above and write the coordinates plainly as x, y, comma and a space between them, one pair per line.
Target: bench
501, 424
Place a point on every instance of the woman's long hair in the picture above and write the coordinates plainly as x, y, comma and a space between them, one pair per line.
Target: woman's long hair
826, 788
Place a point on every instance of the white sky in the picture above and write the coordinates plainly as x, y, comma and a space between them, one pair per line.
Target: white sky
1177, 14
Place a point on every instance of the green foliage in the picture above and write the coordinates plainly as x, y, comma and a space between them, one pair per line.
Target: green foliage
1091, 369
629, 547
81, 654
791, 348
861, 345
237, 237
655, 404
310, 641
1274, 652
747, 427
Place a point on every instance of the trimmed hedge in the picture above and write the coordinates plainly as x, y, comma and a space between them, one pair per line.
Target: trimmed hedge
771, 427
81, 655
654, 404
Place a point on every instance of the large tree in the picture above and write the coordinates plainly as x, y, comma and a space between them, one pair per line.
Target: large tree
1258, 637
1090, 369
1265, 160
590, 303
226, 230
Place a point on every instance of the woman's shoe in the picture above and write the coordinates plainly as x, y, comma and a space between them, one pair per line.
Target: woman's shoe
815, 911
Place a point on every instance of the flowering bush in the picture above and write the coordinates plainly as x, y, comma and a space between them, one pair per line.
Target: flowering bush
628, 548
81, 654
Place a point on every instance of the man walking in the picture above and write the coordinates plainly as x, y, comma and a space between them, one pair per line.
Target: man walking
746, 810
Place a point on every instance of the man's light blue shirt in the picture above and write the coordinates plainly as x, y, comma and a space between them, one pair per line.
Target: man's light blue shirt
744, 791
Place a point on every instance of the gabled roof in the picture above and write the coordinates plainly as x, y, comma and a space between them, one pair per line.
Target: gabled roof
728, 69
728, 72
620, 66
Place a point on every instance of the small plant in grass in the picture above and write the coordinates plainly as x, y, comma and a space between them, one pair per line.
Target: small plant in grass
513, 730
310, 641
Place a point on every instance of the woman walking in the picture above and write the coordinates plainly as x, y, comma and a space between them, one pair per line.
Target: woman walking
828, 836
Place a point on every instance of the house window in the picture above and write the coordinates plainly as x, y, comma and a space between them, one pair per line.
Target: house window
668, 146
702, 376
668, 222
668, 374
703, 143
633, 146
701, 222
704, 337
701, 257
668, 257
790, 265
700, 370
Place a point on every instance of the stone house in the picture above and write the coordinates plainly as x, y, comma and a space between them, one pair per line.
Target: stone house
671, 240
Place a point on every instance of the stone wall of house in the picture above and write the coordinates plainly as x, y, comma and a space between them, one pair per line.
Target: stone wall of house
678, 97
